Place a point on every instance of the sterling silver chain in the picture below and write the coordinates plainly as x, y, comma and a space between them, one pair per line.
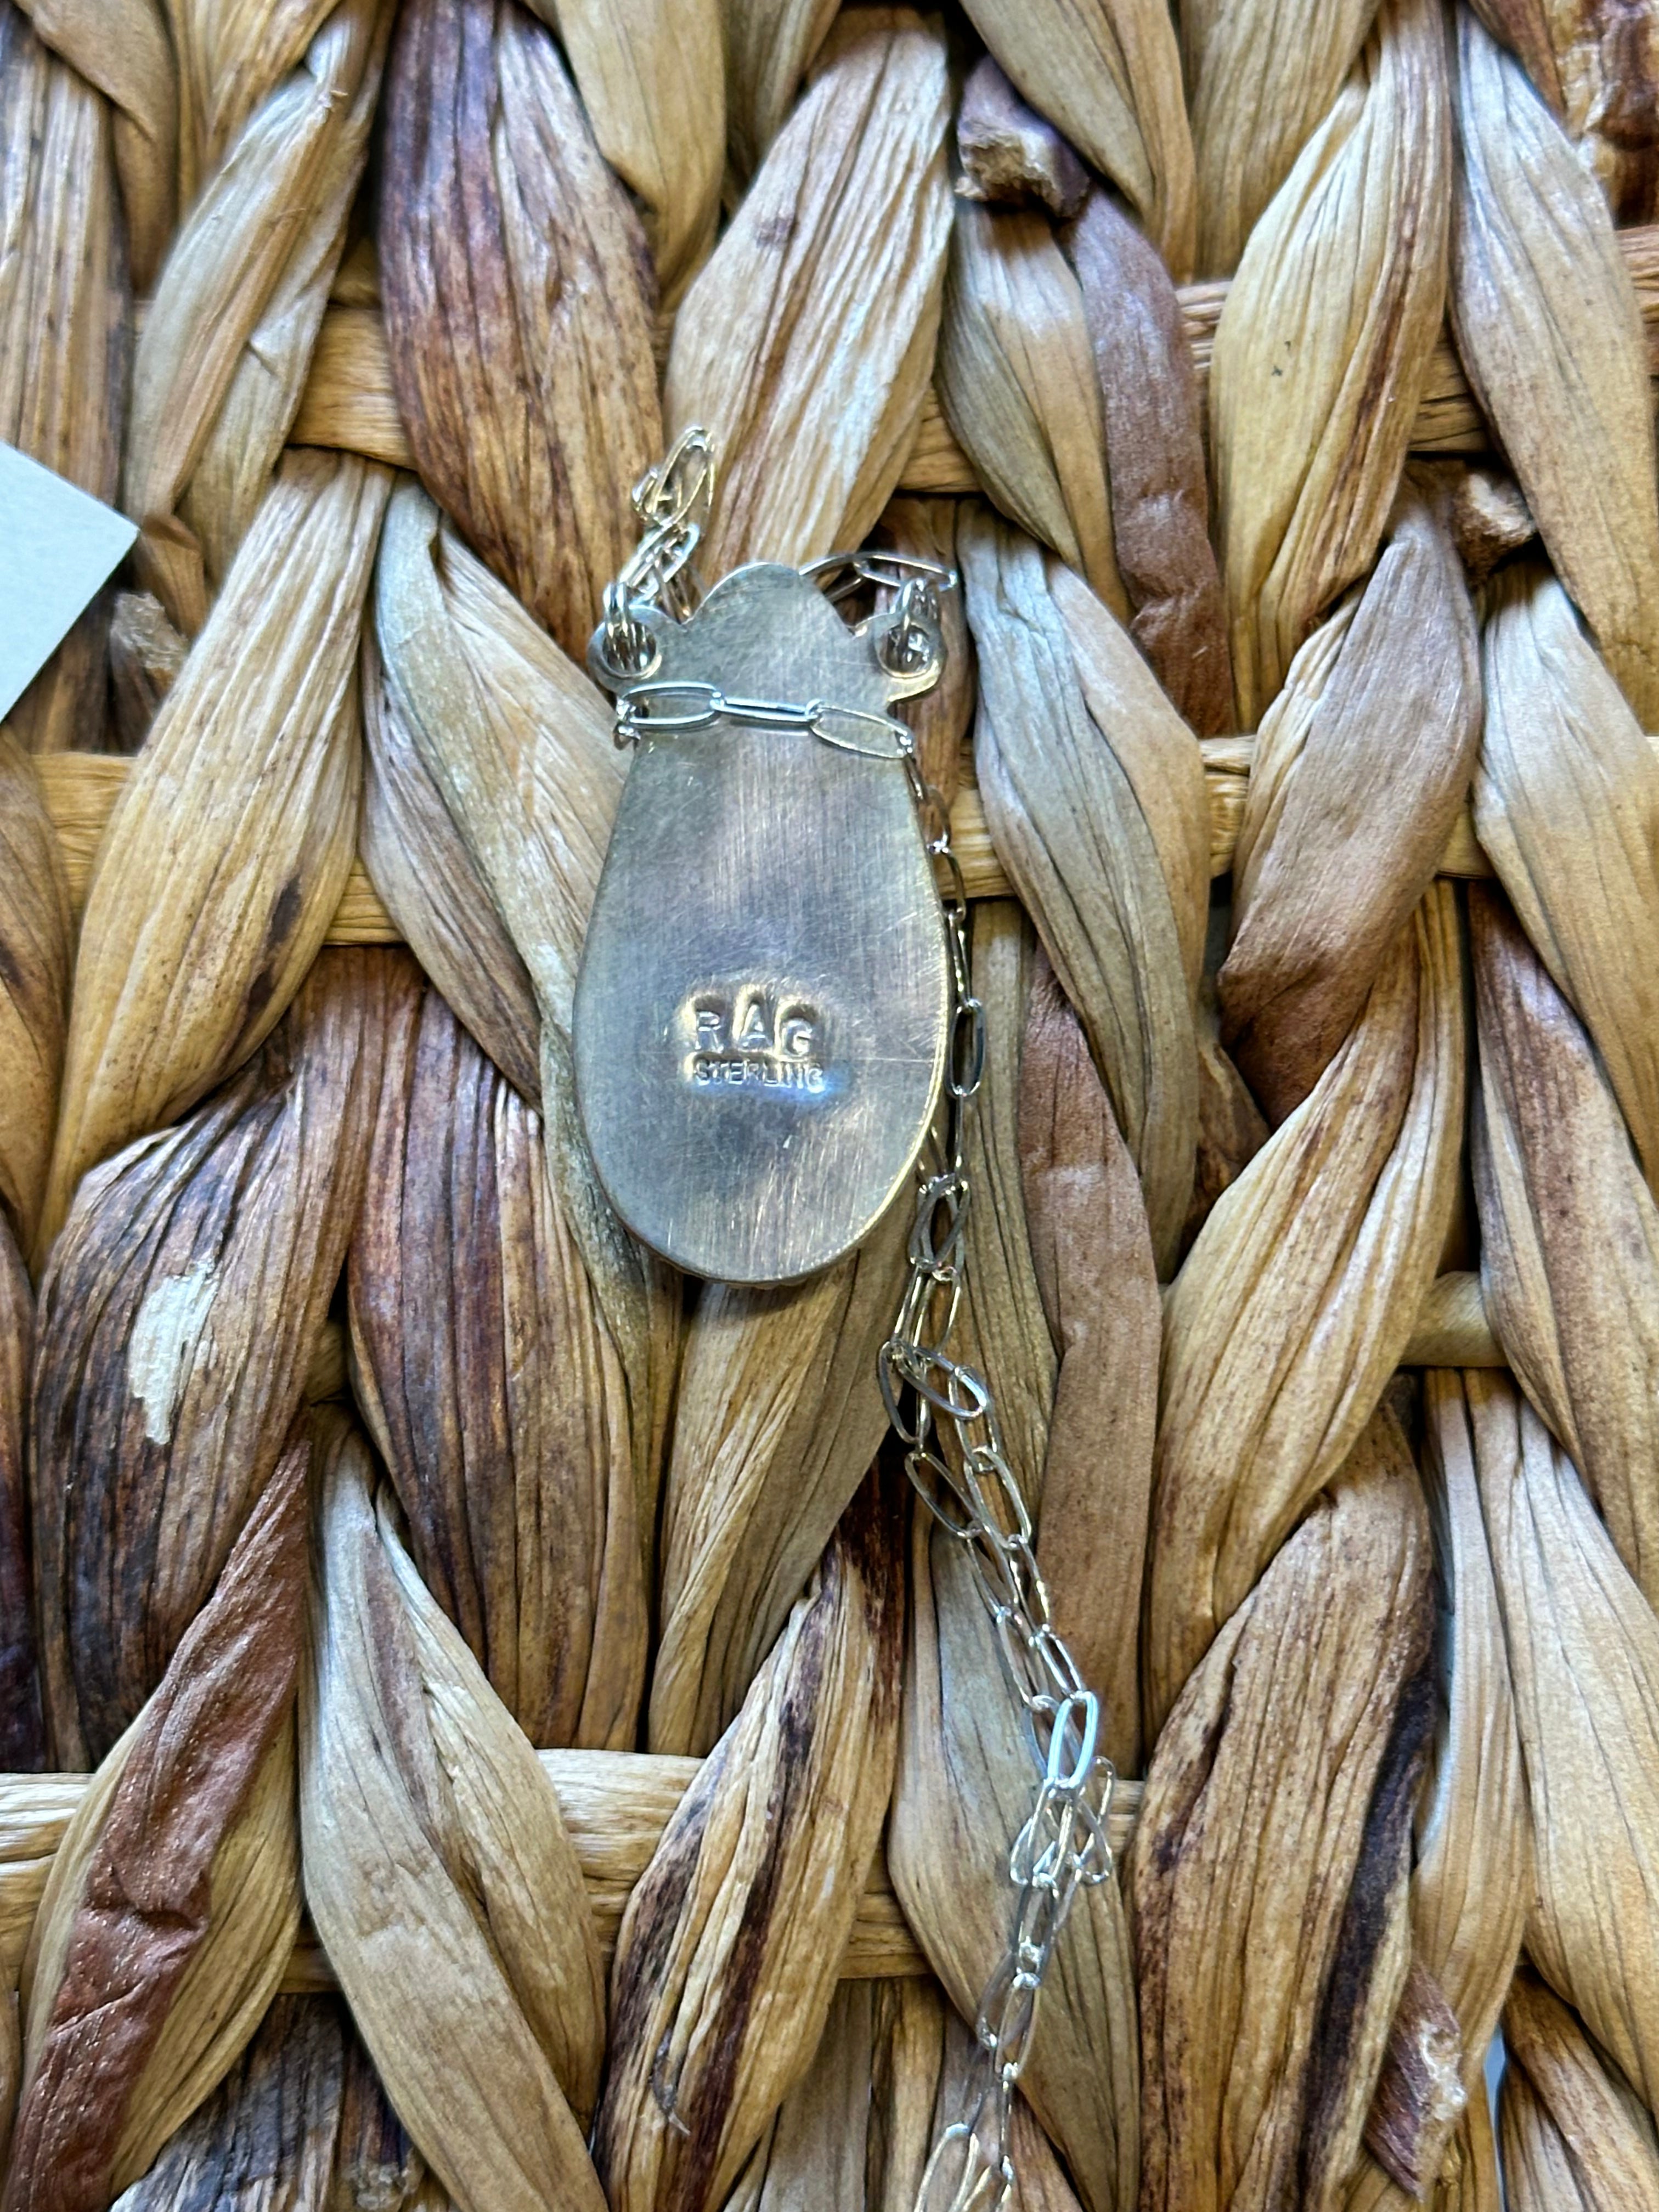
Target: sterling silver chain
945, 1414
942, 1410
670, 709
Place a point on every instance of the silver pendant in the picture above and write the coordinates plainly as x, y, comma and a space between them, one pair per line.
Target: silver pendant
762, 1011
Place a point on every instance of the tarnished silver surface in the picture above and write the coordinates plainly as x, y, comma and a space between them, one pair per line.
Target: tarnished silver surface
761, 1015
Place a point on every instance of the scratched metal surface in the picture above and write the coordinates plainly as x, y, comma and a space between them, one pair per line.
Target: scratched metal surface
760, 1018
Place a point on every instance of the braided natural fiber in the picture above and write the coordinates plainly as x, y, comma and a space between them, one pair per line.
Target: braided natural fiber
486, 1724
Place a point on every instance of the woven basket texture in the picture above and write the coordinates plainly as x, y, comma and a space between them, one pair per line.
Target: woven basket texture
485, 1721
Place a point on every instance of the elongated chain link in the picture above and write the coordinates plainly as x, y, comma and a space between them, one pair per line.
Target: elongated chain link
672, 499
664, 708
942, 1410
945, 1414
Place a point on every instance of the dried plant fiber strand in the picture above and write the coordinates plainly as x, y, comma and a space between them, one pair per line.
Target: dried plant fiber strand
174, 1899
1108, 73
1297, 1300
518, 295
1267, 1978
1323, 346
440, 1872
225, 857
812, 419
1548, 329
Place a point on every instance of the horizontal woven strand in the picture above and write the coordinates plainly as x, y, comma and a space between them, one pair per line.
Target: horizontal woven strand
349, 400
80, 790
616, 1805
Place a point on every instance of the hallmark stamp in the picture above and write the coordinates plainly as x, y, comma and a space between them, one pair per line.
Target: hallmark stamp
751, 1038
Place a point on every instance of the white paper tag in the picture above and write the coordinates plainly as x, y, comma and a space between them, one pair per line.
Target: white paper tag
57, 545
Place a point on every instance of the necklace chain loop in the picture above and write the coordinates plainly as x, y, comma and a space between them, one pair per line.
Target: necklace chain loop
664, 708
942, 1412
672, 499
945, 1414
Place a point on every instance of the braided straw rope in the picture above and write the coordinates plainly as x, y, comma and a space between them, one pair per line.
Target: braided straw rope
486, 1727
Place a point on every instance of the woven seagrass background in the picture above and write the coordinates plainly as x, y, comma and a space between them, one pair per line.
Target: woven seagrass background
486, 1723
